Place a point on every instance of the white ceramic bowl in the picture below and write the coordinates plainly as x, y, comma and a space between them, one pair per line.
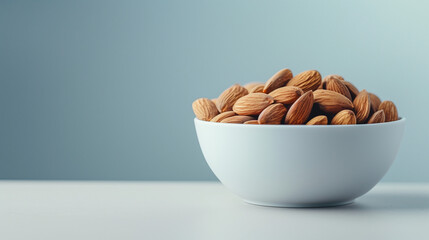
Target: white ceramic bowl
299, 165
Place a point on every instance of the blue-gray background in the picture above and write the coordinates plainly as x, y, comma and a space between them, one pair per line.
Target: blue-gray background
103, 89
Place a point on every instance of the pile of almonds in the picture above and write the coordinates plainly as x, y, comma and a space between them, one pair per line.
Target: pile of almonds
301, 99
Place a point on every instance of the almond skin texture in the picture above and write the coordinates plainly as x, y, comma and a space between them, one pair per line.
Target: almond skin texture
352, 89
251, 122
318, 120
308, 80
375, 102
377, 117
204, 109
237, 119
250, 86
344, 117
257, 88
389, 110
252, 104
227, 99
362, 105
300, 109
278, 80
333, 76
273, 114
338, 86
286, 95
331, 102
222, 116
329, 77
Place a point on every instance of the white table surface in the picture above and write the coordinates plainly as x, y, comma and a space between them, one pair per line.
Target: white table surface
199, 210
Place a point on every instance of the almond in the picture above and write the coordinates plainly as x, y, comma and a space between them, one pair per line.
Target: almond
301, 99
362, 105
257, 88
286, 95
375, 102
300, 109
251, 122
329, 77
228, 97
389, 110
352, 89
308, 80
252, 104
333, 76
204, 109
338, 86
237, 119
278, 80
250, 86
377, 117
344, 117
331, 102
318, 120
273, 114
222, 116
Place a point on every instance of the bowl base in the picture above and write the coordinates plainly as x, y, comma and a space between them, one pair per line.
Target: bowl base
287, 205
